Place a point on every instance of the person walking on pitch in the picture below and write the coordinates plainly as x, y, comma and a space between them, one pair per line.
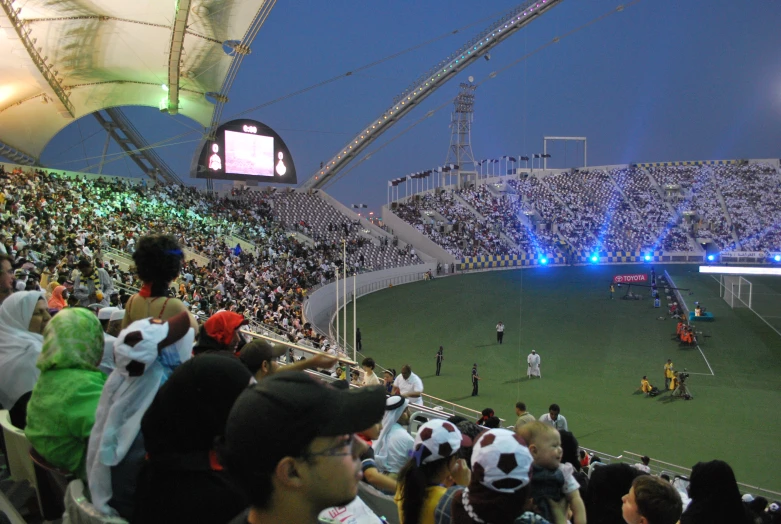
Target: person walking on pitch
475, 379
499, 332
533, 368
440, 358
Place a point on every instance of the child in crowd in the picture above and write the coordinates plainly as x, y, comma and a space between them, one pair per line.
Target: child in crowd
551, 479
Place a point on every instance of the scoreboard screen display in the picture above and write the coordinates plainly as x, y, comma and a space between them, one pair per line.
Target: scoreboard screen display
245, 150
248, 154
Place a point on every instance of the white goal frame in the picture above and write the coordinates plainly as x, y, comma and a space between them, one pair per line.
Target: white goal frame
735, 289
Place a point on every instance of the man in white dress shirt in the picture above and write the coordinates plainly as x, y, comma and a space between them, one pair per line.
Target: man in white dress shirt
408, 385
554, 418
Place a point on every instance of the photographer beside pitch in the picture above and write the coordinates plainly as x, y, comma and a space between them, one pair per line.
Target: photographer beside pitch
679, 387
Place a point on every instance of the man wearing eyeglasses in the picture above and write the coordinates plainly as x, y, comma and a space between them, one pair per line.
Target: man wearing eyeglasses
289, 442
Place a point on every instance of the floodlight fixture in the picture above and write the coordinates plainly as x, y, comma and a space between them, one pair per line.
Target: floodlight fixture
711, 258
647, 258
777, 258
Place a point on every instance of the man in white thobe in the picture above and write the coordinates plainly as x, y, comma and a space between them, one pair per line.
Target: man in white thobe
533, 370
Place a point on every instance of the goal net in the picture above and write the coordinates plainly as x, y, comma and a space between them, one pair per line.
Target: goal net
736, 291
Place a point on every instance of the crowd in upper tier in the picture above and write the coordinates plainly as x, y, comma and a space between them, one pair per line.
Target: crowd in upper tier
56, 220
666, 208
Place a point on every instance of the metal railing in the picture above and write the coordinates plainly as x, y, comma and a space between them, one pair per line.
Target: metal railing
431, 403
660, 466
363, 291
297, 347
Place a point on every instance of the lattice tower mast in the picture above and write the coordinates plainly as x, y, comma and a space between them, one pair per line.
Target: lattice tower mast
460, 151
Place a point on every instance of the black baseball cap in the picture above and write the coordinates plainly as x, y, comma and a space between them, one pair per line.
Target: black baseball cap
259, 351
280, 415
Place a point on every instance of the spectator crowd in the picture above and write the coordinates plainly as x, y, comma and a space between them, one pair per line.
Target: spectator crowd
140, 382
661, 208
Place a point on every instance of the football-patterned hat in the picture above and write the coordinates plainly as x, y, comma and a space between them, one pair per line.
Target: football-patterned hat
437, 439
138, 345
501, 461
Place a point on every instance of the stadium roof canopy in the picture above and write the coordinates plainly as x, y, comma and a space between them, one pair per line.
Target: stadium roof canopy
61, 60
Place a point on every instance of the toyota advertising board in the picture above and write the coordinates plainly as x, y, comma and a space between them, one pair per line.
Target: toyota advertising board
630, 279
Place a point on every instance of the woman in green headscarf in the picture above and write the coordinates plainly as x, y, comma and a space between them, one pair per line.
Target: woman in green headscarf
61, 411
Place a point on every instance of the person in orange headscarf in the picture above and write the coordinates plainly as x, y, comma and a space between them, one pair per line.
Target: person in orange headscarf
59, 299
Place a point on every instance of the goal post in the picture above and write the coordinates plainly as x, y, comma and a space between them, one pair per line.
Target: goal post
736, 291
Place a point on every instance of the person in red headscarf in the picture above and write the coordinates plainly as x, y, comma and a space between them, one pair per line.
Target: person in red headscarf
221, 333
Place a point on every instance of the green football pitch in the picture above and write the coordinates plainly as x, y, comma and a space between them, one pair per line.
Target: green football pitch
594, 351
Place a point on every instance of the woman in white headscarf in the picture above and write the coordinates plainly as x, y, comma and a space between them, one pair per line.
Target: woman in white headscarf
23, 317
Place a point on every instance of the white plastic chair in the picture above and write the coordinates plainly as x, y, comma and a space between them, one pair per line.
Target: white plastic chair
18, 448
79, 510
20, 465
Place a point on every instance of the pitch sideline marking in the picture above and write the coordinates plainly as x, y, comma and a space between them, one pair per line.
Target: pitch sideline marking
706, 361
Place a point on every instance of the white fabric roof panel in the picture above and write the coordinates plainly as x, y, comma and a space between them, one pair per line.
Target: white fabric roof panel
111, 53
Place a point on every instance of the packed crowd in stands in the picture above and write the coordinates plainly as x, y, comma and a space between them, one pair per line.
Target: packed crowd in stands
56, 220
449, 223
499, 215
753, 197
153, 398
660, 208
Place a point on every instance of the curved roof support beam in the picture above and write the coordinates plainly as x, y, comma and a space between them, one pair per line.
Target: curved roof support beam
175, 54
432, 80
239, 51
43, 68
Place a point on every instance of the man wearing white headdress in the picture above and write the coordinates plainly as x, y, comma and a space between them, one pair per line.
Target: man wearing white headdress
533, 368
391, 449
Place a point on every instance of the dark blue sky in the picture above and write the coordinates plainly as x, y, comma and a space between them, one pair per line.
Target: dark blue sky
663, 80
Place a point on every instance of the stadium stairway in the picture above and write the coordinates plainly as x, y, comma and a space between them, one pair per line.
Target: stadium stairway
620, 190
561, 201
671, 209
480, 218
726, 212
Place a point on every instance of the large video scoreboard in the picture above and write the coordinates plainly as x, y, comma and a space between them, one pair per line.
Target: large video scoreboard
246, 150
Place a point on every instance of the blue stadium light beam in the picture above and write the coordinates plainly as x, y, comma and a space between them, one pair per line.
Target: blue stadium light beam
429, 82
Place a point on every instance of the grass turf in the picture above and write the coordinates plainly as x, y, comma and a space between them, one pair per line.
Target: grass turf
594, 351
